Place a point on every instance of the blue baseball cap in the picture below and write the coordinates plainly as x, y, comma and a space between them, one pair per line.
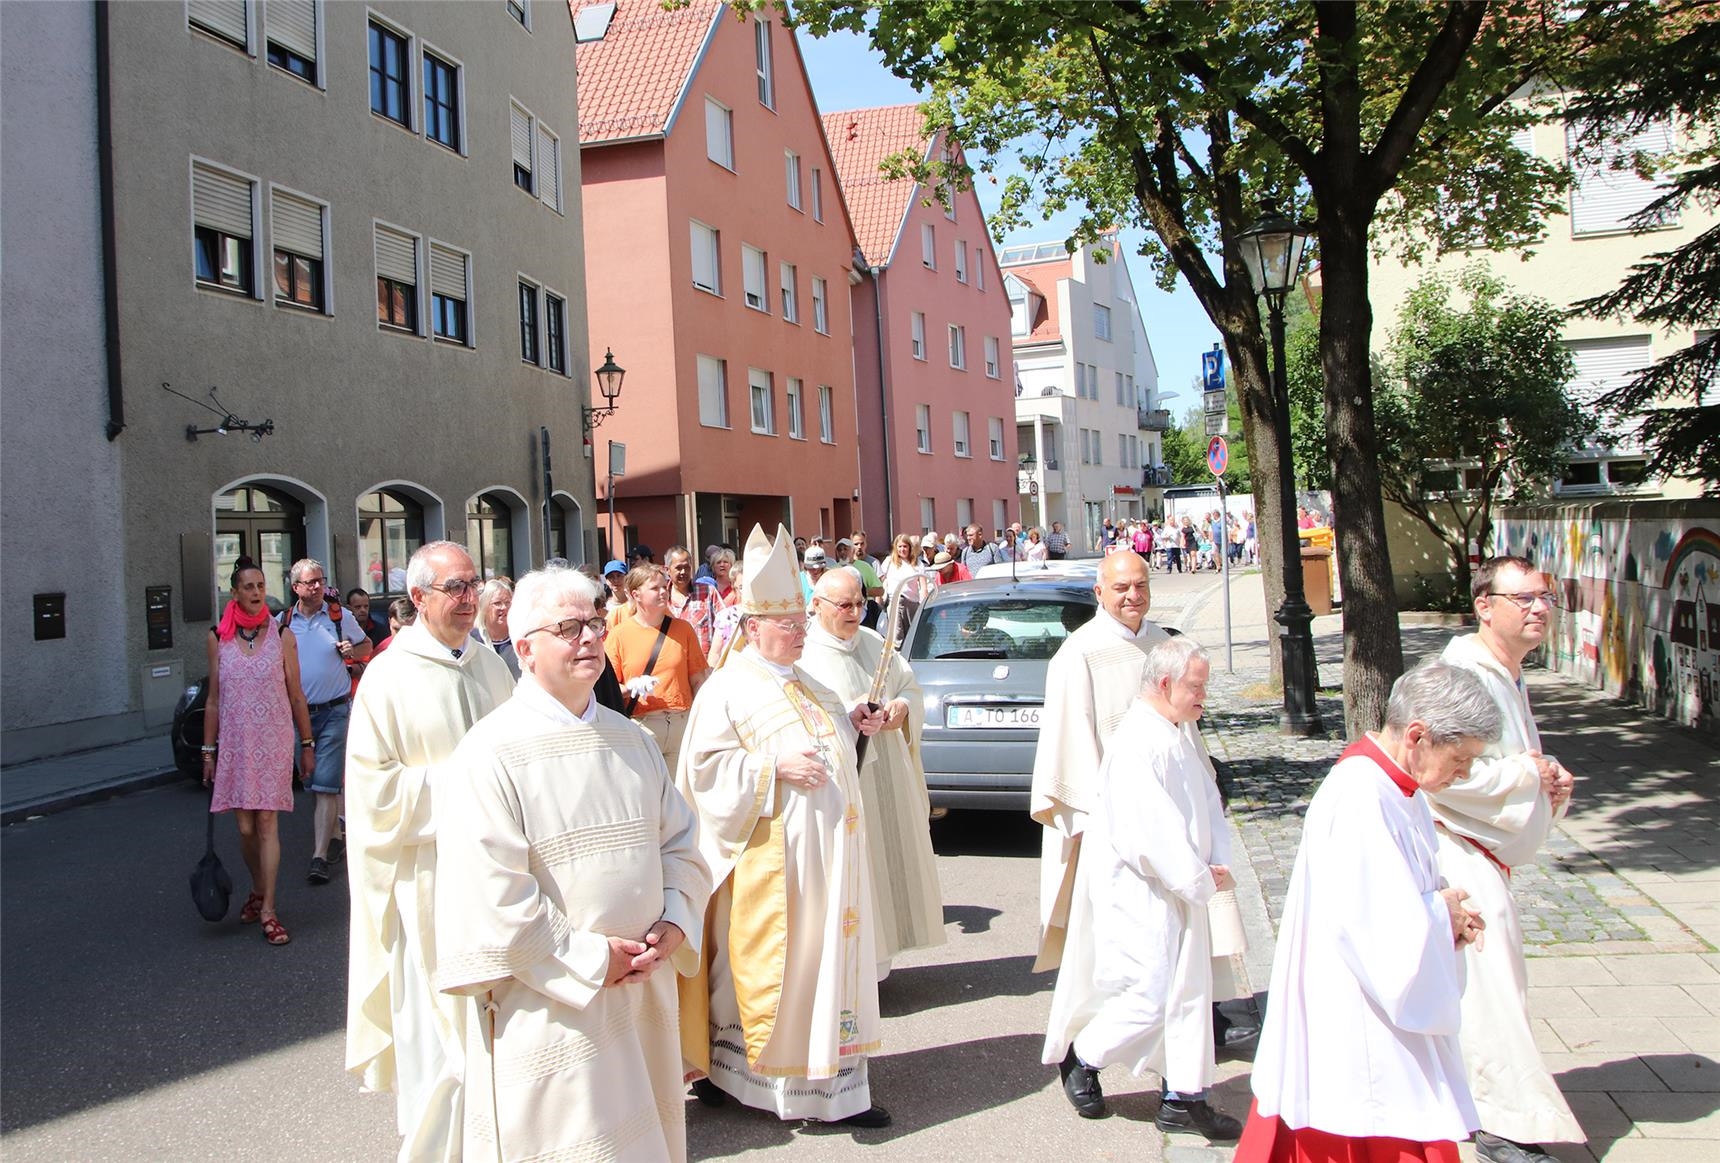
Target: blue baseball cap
615, 567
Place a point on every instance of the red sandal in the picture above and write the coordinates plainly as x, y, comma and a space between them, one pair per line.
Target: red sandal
253, 910
274, 932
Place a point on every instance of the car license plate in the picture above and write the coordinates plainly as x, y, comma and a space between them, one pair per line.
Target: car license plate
1011, 717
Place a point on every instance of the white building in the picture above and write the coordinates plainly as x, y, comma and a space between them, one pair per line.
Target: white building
1087, 409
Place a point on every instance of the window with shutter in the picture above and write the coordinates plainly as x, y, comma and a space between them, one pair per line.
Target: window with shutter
296, 229
227, 19
520, 136
713, 392
707, 273
549, 167
719, 134
449, 280
223, 251
292, 33
753, 278
1604, 199
396, 279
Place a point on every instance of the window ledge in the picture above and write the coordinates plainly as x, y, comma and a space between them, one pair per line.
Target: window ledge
720, 427
224, 291
396, 329
302, 309
444, 341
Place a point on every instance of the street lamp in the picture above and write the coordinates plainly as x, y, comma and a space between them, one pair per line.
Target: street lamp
1025, 464
609, 377
1272, 250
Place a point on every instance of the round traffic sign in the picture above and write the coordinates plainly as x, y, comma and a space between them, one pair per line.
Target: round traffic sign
1217, 456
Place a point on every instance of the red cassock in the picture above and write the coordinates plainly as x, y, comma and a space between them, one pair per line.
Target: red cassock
1268, 1140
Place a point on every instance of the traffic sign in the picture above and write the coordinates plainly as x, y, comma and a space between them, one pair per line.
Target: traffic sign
1212, 369
1217, 414
1217, 456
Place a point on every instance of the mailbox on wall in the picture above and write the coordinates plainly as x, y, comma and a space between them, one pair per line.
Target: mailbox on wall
158, 616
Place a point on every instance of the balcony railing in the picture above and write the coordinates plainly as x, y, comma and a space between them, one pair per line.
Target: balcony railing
1154, 419
1155, 476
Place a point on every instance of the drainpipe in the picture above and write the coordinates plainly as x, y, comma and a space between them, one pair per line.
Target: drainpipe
110, 246
877, 272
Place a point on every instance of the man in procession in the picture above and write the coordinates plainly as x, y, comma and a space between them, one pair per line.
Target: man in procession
785, 1009
845, 657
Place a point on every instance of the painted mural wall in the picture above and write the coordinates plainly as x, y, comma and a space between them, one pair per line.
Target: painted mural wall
1639, 584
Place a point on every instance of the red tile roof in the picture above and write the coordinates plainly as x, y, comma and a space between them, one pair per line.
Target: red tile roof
630, 81
859, 140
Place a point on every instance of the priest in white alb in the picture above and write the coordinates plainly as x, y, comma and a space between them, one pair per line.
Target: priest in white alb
785, 1010
844, 656
571, 892
1155, 852
1359, 1055
1496, 817
416, 702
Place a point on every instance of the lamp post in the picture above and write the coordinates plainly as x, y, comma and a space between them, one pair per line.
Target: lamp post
609, 377
1272, 250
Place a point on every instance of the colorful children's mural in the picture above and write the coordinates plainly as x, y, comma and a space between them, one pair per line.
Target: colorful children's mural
1639, 585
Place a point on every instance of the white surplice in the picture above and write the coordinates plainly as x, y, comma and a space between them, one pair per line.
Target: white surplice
794, 1012
1145, 868
909, 904
1089, 684
1360, 1038
1501, 808
414, 706
558, 832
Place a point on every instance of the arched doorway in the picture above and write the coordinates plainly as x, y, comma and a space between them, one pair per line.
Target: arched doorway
490, 535
264, 524
390, 531
566, 530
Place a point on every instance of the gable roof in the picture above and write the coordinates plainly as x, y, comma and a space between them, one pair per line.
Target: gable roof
633, 80
860, 139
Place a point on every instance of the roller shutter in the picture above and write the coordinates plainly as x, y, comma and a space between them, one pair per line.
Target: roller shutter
221, 200
396, 256
447, 272
297, 224
292, 24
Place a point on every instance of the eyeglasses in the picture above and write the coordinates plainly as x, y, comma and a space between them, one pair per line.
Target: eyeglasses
845, 607
792, 625
573, 629
457, 588
1526, 602
309, 581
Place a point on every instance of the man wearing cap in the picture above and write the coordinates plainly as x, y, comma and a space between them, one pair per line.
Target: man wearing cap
869, 580
615, 577
785, 1008
816, 563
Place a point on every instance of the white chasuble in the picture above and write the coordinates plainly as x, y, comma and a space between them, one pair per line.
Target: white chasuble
1089, 685
1360, 1038
414, 706
790, 992
908, 905
1157, 828
1494, 818
558, 834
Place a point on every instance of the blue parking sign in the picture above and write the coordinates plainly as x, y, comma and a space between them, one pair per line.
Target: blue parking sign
1212, 369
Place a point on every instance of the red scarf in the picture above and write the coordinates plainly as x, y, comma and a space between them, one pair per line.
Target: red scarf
233, 619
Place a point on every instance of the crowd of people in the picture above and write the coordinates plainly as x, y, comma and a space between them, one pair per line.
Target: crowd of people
1186, 544
608, 834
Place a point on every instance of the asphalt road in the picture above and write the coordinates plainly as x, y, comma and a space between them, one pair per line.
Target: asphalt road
132, 1029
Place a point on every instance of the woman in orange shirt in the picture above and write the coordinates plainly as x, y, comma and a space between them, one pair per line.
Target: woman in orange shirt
657, 660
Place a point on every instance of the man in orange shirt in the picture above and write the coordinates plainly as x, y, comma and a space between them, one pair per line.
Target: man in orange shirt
657, 659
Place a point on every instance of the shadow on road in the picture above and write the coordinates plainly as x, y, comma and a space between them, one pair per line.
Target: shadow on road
114, 984
929, 987
915, 1086
971, 918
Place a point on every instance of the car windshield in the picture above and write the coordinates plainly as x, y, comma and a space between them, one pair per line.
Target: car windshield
988, 627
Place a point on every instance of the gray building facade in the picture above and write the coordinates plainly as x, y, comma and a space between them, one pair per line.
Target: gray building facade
355, 222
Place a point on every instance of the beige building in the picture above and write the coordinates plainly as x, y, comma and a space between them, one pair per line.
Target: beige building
1584, 252
359, 226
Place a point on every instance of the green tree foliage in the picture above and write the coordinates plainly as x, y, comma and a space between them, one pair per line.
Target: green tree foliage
1307, 396
1663, 70
1180, 118
1473, 410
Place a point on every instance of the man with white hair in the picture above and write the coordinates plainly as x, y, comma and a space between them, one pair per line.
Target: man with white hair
570, 877
844, 656
786, 1009
1360, 1040
1155, 852
413, 708
1497, 816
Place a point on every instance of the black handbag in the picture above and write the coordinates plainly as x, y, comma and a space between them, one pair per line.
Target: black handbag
211, 887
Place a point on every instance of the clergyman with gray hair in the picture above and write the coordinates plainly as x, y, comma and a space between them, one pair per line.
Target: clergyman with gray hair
1156, 850
572, 892
413, 708
1360, 1040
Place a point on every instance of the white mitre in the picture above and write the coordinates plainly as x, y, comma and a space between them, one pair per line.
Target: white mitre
772, 575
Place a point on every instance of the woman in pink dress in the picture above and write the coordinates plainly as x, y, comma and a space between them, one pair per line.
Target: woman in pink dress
248, 734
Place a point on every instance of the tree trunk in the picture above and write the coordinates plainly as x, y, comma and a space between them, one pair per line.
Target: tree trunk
1250, 365
1373, 646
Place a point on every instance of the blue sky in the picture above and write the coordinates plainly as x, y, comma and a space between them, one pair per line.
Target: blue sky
847, 74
